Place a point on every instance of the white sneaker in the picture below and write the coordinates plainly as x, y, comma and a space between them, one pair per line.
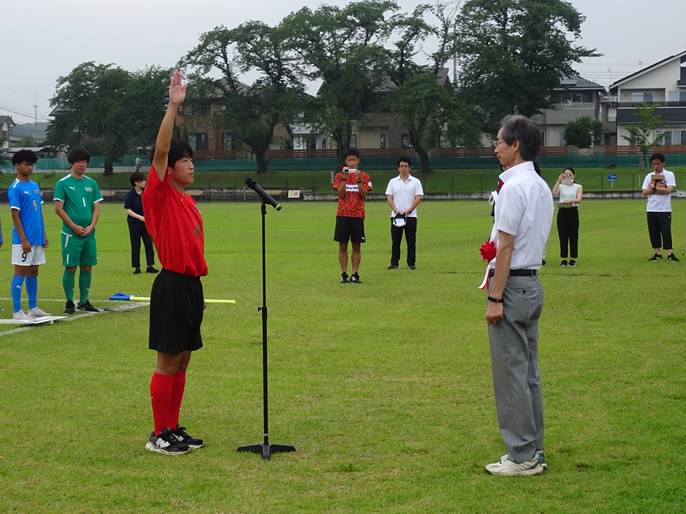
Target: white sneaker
21, 316
507, 468
37, 312
539, 454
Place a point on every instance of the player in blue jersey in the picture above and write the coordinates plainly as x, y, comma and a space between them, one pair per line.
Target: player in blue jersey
29, 239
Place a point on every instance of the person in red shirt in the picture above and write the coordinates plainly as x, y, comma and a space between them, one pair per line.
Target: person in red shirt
176, 300
352, 186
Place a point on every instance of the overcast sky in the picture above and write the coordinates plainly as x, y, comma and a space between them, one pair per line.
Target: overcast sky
43, 39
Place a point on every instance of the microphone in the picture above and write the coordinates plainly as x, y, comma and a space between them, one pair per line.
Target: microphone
266, 197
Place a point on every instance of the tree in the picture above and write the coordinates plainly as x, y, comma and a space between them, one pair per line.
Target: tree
252, 112
107, 109
584, 132
427, 103
512, 53
344, 49
644, 134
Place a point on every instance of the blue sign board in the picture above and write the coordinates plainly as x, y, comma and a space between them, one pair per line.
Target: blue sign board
611, 178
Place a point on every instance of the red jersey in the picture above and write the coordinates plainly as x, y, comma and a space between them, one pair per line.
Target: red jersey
175, 225
352, 204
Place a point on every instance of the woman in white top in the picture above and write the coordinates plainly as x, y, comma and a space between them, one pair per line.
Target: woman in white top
568, 215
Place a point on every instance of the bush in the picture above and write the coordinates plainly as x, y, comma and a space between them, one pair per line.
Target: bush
583, 132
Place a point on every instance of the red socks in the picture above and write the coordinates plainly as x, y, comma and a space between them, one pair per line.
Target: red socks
161, 390
176, 399
166, 395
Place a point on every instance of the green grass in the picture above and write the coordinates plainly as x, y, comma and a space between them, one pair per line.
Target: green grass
440, 181
384, 388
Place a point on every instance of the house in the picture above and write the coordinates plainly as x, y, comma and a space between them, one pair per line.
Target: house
574, 98
6, 126
663, 84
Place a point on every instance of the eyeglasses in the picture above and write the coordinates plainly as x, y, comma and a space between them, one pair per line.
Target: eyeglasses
495, 142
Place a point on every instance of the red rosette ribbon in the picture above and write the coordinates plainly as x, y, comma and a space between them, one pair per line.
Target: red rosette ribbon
488, 251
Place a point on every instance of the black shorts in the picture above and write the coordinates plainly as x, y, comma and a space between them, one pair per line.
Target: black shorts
176, 309
348, 228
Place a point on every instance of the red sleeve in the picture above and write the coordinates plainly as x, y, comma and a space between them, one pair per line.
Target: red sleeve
337, 179
367, 181
153, 200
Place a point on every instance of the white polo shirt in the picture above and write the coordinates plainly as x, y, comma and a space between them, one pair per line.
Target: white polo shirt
404, 193
525, 210
659, 203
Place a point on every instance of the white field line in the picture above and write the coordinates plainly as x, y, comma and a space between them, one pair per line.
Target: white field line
129, 306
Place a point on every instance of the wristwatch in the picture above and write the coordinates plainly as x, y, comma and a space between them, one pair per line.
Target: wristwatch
495, 300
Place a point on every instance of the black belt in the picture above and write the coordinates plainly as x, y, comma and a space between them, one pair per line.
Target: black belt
517, 272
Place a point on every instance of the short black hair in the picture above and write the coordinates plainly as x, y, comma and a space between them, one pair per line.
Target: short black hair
352, 151
24, 156
570, 169
659, 156
136, 176
78, 155
404, 159
178, 149
522, 129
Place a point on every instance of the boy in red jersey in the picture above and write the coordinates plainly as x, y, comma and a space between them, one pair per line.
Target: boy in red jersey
176, 300
352, 186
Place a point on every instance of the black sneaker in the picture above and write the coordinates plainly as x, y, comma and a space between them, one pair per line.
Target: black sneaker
86, 306
543, 263
166, 443
151, 269
355, 278
392, 266
69, 307
656, 257
344, 278
184, 438
672, 257
136, 271
563, 263
411, 266
572, 263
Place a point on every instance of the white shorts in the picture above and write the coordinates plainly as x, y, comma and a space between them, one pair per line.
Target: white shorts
34, 257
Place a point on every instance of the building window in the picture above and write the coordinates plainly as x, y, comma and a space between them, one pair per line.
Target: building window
201, 109
382, 141
405, 141
198, 141
353, 141
683, 137
228, 141
667, 139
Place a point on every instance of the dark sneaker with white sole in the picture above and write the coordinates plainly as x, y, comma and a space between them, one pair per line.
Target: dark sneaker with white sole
166, 444
86, 306
69, 307
184, 437
355, 278
344, 278
672, 257
656, 257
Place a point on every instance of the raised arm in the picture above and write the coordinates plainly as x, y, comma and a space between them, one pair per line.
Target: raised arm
177, 94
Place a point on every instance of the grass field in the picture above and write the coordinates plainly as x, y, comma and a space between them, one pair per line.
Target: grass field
440, 181
384, 387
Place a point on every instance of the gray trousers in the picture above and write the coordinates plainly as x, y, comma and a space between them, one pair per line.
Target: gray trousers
514, 360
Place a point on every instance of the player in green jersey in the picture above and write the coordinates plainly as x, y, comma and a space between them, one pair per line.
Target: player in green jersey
77, 202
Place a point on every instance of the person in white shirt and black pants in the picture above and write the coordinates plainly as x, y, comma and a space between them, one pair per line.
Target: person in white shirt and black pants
403, 195
658, 187
568, 215
523, 217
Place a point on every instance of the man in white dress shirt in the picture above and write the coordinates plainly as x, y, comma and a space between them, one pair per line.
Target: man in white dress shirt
523, 216
403, 195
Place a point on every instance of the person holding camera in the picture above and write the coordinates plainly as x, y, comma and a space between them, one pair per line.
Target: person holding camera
658, 187
403, 195
352, 186
568, 215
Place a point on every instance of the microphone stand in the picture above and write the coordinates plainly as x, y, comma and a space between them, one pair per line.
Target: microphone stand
265, 448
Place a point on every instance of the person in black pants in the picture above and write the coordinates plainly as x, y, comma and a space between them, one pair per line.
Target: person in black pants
136, 221
568, 215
